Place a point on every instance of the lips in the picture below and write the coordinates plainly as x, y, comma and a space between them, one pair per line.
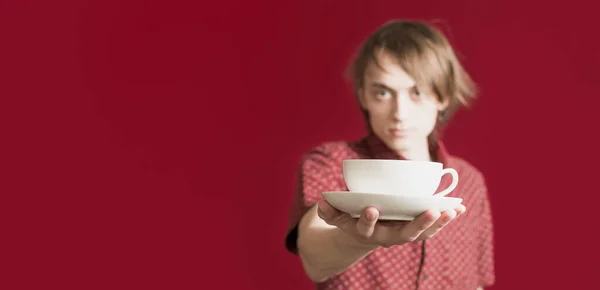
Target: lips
398, 132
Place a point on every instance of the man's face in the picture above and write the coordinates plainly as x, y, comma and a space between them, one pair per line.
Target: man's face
401, 114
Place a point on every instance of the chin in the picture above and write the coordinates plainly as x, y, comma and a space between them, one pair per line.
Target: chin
397, 144
400, 147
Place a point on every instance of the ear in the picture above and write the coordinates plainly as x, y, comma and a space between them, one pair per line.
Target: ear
441, 106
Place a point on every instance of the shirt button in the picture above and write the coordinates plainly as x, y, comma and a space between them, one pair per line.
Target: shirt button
425, 276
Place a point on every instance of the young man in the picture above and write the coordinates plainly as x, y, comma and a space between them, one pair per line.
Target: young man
408, 83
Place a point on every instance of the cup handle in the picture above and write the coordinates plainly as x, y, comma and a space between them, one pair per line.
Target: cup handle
452, 185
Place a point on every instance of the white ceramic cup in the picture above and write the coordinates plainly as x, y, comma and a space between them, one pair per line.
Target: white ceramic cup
404, 177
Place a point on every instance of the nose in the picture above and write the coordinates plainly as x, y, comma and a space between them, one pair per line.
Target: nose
401, 108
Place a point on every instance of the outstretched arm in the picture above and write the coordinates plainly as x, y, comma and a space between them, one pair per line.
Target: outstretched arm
330, 241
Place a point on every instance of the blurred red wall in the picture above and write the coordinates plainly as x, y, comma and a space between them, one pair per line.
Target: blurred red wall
153, 144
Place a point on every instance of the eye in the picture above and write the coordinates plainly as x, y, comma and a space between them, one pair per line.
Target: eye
382, 94
417, 93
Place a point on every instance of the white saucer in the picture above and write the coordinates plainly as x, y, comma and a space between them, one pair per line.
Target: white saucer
390, 206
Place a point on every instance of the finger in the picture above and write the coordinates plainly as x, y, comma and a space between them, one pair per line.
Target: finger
401, 233
366, 223
392, 223
334, 217
414, 229
326, 212
386, 233
460, 210
440, 223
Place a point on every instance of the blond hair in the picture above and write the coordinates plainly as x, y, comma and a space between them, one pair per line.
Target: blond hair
425, 54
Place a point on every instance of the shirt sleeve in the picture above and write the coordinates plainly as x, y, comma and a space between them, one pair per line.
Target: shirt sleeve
317, 172
486, 241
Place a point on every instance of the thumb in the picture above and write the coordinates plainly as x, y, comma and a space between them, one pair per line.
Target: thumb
325, 210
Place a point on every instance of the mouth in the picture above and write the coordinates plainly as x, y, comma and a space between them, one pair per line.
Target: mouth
396, 132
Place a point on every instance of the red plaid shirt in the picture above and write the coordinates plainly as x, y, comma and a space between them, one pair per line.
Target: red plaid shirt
459, 257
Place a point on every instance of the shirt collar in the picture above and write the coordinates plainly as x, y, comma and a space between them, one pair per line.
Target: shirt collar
379, 150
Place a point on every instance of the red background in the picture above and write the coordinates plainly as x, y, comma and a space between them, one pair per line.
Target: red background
153, 144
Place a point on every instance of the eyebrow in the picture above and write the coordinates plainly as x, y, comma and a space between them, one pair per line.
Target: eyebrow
385, 87
381, 86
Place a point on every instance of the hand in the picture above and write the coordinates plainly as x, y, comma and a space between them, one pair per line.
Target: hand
369, 232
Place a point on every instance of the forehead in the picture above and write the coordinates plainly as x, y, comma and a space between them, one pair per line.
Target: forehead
387, 70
